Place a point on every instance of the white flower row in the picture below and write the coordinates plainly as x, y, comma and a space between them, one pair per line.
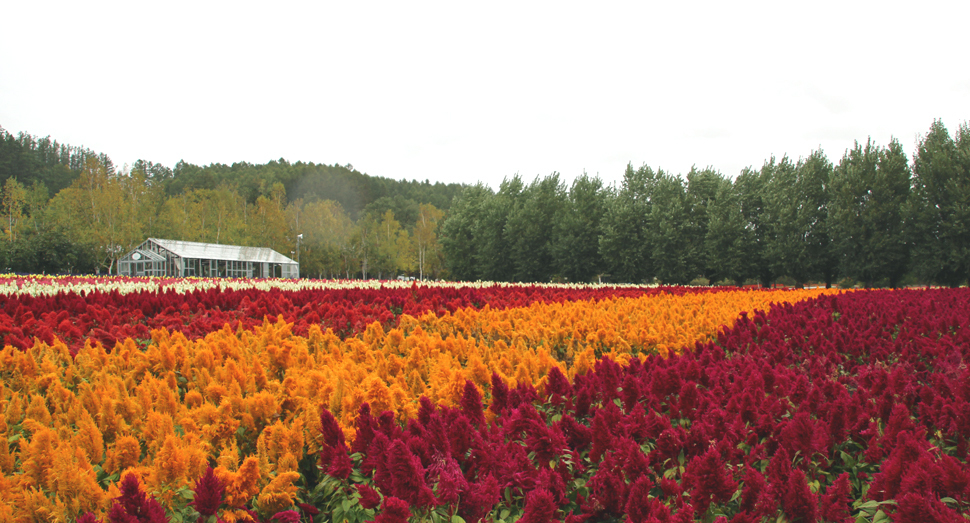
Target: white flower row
11, 285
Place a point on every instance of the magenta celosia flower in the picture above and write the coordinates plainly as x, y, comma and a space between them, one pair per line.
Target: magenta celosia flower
450, 481
918, 508
684, 515
286, 516
799, 503
308, 510
134, 505
393, 510
340, 463
745, 517
557, 385
754, 486
608, 491
87, 517
577, 436
500, 394
208, 493
407, 476
710, 480
480, 498
369, 498
640, 507
471, 403
540, 507
330, 429
366, 427
836, 502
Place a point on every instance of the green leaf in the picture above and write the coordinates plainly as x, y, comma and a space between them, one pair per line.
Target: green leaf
457, 519
345, 504
11, 439
949, 501
880, 516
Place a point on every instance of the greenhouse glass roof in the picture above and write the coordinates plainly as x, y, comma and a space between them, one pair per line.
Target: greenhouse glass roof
215, 251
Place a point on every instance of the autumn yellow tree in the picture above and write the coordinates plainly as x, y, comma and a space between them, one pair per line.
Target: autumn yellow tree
14, 199
101, 209
427, 250
326, 230
268, 226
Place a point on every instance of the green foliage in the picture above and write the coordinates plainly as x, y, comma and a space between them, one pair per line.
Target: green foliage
938, 214
869, 190
576, 229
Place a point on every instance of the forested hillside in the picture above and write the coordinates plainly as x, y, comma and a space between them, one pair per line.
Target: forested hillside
70, 209
876, 217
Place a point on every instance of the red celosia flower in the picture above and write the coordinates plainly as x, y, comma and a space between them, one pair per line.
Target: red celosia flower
540, 507
480, 499
340, 463
919, 508
500, 394
471, 403
710, 480
330, 429
208, 493
557, 385
309, 510
87, 517
799, 503
835, 501
286, 516
394, 510
134, 505
366, 427
640, 507
577, 436
451, 482
407, 476
754, 487
369, 498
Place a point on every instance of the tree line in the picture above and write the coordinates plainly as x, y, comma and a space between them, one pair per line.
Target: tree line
874, 219
69, 209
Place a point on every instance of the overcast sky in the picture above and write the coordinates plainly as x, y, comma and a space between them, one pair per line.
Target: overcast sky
456, 92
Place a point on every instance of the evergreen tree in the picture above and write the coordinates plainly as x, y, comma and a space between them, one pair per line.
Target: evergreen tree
576, 230
459, 230
493, 256
672, 236
750, 187
701, 193
939, 217
530, 229
626, 232
727, 241
869, 188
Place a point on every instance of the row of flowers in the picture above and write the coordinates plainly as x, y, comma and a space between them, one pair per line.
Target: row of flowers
841, 408
36, 285
238, 399
198, 307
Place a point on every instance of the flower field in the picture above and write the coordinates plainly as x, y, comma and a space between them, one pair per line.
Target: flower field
207, 400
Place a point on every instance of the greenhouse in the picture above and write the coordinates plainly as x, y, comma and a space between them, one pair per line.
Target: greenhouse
157, 257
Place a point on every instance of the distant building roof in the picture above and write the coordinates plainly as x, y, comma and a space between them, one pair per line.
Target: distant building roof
215, 251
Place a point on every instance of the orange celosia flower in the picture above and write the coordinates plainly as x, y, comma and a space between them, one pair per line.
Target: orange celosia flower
241, 485
278, 494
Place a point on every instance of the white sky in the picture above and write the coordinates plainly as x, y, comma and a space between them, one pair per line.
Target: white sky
456, 92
